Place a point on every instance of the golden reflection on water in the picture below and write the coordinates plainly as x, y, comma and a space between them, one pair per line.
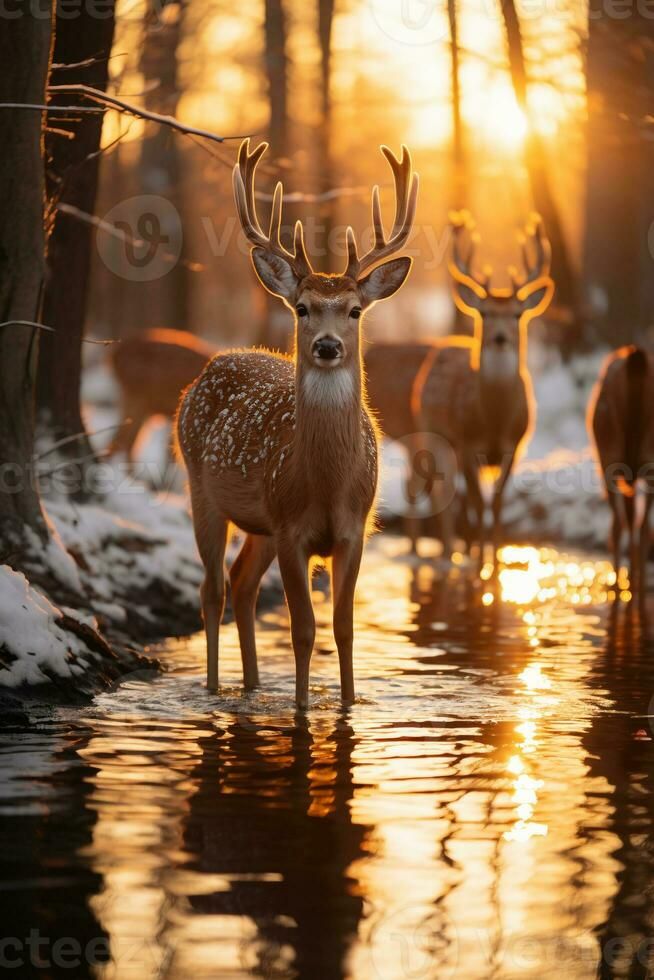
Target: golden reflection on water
457, 822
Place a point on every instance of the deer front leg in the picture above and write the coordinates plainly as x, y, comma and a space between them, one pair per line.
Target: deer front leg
345, 572
498, 499
294, 566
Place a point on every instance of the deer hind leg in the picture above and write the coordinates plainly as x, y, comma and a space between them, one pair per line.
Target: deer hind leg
294, 566
645, 538
211, 536
345, 572
245, 575
615, 500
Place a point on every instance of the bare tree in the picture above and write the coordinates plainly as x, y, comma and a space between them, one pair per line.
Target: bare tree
536, 163
618, 270
277, 328
325, 26
24, 55
164, 302
81, 55
460, 181
277, 74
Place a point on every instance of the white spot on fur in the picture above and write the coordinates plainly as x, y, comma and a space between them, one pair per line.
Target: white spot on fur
328, 386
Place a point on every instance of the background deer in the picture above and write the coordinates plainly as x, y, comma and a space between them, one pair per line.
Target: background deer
621, 425
152, 370
476, 393
285, 448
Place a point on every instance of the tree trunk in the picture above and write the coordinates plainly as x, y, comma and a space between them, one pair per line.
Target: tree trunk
277, 330
460, 181
536, 163
326, 211
24, 56
165, 300
277, 72
71, 178
618, 281
460, 177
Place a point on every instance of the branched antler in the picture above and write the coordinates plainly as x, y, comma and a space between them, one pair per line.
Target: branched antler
406, 195
465, 238
243, 178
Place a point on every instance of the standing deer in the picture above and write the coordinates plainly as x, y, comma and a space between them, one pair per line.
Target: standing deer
621, 425
476, 393
285, 448
152, 370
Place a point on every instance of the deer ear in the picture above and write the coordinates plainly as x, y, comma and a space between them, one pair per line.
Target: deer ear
468, 294
275, 273
385, 280
536, 296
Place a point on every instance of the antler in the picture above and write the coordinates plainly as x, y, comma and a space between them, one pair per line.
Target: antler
463, 227
406, 194
243, 180
533, 234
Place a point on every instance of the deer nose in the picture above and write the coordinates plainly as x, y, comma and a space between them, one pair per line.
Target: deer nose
327, 348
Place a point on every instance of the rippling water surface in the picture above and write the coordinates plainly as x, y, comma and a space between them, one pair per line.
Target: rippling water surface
483, 811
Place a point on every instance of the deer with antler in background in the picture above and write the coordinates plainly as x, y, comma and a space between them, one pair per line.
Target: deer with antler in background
284, 448
476, 393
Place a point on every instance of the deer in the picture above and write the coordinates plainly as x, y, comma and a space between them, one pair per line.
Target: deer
284, 448
476, 393
621, 428
152, 369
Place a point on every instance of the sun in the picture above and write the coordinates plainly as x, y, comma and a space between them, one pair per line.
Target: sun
492, 112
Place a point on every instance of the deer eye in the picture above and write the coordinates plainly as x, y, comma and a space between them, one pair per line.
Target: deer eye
301, 309
355, 313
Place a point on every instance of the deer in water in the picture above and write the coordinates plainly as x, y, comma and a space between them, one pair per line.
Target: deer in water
152, 370
621, 426
476, 393
284, 448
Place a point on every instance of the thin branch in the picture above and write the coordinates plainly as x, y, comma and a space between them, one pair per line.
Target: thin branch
27, 323
43, 326
114, 102
80, 435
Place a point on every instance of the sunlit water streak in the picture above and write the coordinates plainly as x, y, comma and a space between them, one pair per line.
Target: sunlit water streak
484, 810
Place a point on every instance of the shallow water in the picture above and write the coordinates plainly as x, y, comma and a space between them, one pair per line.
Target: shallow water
483, 811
